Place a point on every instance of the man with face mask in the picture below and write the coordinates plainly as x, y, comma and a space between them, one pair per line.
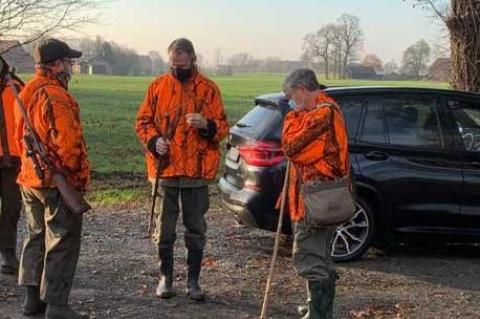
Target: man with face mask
52, 245
187, 103
315, 142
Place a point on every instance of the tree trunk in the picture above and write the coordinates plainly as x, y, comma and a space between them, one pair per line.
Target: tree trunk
326, 68
464, 26
335, 63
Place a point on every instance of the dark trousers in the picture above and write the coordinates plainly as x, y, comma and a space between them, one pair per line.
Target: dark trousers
11, 205
194, 205
52, 247
312, 259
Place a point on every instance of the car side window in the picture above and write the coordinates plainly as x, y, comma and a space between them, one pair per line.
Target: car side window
467, 117
373, 130
352, 110
413, 122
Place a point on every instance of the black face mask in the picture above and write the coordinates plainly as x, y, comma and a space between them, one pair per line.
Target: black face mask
183, 75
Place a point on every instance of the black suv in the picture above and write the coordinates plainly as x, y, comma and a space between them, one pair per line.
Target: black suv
415, 155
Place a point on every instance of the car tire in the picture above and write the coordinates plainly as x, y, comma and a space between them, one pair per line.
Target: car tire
353, 238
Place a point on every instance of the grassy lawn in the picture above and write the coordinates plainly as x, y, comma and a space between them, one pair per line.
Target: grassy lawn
109, 105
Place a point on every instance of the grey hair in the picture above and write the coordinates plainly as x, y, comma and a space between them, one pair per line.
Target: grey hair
302, 77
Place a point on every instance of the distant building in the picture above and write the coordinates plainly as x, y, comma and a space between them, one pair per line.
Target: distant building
362, 72
16, 56
93, 65
441, 70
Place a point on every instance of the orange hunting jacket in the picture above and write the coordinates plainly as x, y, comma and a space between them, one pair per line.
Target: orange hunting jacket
193, 153
8, 145
55, 116
316, 143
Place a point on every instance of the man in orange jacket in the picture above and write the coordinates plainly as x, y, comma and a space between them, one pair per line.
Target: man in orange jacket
188, 105
10, 197
52, 247
315, 141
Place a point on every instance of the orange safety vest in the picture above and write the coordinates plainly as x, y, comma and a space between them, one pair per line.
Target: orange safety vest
316, 143
55, 116
190, 154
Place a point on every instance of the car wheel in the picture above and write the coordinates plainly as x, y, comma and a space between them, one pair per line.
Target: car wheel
353, 237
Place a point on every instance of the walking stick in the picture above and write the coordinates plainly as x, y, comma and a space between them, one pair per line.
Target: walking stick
154, 199
277, 243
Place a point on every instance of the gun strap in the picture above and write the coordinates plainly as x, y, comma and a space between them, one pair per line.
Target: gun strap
3, 126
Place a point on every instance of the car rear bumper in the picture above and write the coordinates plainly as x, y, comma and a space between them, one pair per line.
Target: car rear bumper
251, 208
235, 200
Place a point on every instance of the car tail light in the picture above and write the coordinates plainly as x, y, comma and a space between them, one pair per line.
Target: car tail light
262, 154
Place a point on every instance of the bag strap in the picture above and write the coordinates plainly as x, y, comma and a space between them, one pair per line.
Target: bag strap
334, 109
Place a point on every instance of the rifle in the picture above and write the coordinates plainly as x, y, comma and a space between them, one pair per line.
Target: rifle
39, 156
162, 162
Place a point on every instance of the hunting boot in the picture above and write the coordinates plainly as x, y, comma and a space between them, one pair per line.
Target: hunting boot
32, 304
63, 312
194, 262
164, 288
320, 304
10, 262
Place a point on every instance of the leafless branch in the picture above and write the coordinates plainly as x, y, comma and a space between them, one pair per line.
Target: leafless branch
29, 20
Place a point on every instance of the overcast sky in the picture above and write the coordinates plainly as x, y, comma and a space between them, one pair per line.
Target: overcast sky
262, 28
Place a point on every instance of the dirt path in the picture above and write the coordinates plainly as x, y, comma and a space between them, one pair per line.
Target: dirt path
116, 277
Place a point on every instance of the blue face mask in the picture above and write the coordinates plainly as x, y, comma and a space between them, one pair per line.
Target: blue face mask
292, 104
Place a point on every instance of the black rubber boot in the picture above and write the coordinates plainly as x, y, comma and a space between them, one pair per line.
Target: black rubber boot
32, 304
165, 283
10, 262
63, 312
320, 302
194, 262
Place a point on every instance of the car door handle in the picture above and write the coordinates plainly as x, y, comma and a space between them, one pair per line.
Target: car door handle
376, 156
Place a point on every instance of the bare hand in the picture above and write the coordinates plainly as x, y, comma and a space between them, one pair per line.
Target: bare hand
196, 120
162, 146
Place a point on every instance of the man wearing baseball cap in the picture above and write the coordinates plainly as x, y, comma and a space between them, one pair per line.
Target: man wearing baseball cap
52, 245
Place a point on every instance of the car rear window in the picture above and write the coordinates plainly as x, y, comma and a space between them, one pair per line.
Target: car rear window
262, 123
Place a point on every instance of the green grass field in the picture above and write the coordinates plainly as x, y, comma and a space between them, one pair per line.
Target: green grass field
109, 105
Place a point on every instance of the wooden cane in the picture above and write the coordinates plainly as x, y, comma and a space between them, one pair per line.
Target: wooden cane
277, 243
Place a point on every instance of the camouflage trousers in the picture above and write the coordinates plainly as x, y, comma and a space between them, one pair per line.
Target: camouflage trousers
52, 247
11, 205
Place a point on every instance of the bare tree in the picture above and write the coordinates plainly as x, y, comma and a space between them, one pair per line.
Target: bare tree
337, 52
390, 67
30, 20
415, 59
242, 62
352, 37
374, 61
158, 64
319, 45
218, 57
462, 18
